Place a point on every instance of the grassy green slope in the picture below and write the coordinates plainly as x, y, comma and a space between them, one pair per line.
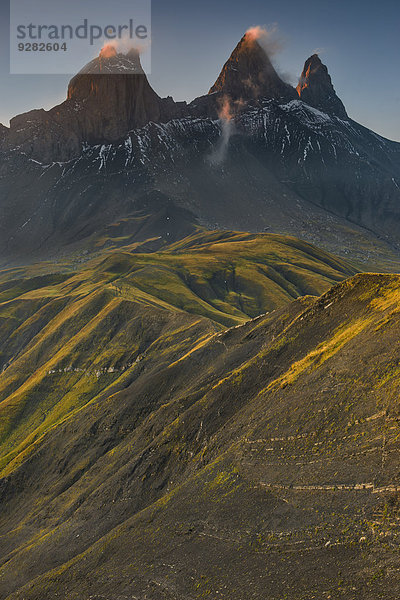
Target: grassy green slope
227, 277
236, 468
66, 336
102, 360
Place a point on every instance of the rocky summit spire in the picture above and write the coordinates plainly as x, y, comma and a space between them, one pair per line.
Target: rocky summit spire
110, 96
315, 88
249, 74
115, 94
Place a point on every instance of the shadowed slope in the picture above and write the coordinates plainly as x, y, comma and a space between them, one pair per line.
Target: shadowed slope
273, 446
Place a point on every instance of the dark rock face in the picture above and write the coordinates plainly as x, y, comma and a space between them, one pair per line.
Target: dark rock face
111, 96
316, 89
112, 102
103, 104
3, 131
250, 75
115, 105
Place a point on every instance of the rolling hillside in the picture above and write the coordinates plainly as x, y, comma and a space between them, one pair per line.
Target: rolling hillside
158, 443
67, 335
271, 447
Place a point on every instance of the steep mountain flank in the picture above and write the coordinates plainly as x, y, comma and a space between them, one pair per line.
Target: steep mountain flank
257, 462
3, 132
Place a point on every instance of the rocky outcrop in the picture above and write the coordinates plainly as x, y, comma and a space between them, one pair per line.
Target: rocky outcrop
247, 78
316, 89
249, 75
108, 98
115, 102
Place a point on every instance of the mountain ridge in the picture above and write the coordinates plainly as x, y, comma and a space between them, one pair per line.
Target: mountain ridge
254, 446
98, 110
267, 164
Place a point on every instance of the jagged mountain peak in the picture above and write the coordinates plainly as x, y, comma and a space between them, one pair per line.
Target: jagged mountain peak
109, 97
249, 74
111, 62
126, 68
316, 89
112, 95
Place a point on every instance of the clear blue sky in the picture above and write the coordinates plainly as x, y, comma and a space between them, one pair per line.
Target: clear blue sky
359, 42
